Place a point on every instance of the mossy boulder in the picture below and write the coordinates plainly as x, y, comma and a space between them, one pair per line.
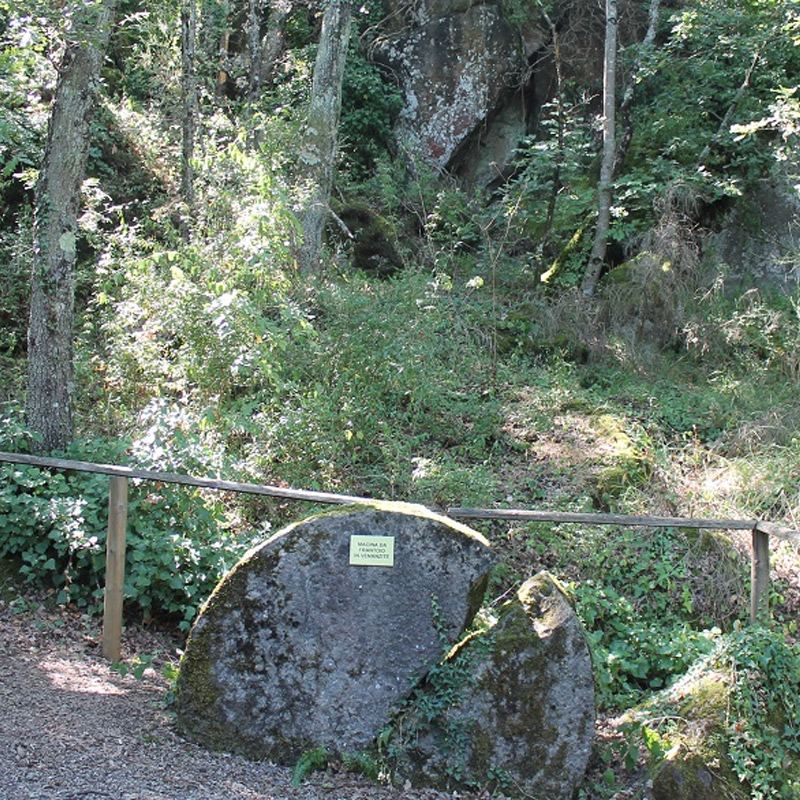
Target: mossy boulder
687, 779
627, 464
696, 765
727, 729
299, 648
511, 709
373, 240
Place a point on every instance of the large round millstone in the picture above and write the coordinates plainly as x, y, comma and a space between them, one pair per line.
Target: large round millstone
319, 632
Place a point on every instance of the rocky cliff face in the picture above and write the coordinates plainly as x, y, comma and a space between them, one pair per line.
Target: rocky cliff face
463, 68
759, 238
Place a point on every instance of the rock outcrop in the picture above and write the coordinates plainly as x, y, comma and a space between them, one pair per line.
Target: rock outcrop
463, 67
455, 68
761, 235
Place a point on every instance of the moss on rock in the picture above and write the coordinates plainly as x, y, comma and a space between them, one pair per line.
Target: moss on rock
511, 708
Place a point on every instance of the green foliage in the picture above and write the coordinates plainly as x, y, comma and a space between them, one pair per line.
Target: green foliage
204, 321
370, 105
137, 667
753, 332
310, 761
634, 598
147, 47
54, 524
140, 664
453, 223
25, 42
554, 192
714, 110
183, 330
634, 654
211, 356
384, 360
14, 277
735, 712
723, 60
763, 733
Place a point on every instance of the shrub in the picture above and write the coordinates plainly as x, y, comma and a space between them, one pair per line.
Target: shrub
635, 597
54, 523
763, 732
391, 378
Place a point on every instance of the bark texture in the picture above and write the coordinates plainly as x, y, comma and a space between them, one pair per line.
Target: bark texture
51, 382
189, 110
592, 275
318, 150
273, 42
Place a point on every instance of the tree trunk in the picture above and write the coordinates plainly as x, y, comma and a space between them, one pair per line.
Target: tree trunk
556, 179
320, 140
592, 274
57, 198
189, 111
270, 47
254, 11
222, 70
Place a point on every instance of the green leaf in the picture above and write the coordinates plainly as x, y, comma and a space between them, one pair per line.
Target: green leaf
309, 761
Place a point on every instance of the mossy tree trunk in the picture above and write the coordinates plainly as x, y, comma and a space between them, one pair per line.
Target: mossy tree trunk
57, 201
320, 141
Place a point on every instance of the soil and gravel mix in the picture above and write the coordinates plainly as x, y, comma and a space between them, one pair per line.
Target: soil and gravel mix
74, 728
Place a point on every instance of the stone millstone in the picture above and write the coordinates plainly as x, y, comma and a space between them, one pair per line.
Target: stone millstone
297, 648
510, 709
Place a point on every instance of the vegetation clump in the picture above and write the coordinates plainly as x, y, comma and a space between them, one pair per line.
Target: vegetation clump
475, 375
726, 728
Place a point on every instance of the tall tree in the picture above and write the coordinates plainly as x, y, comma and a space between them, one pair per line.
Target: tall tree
57, 200
189, 110
559, 94
592, 274
320, 140
264, 51
626, 106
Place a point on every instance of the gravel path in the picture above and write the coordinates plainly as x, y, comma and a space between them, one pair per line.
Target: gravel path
73, 728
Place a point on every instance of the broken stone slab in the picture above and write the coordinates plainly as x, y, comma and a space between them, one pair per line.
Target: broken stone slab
511, 709
298, 648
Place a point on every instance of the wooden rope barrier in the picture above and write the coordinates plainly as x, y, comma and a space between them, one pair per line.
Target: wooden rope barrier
761, 530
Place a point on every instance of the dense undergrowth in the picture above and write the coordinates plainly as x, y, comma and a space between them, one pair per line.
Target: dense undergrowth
474, 376
393, 389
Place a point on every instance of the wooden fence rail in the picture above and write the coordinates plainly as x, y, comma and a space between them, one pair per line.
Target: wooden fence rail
117, 522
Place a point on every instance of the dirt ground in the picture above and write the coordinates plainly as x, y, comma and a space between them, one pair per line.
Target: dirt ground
71, 727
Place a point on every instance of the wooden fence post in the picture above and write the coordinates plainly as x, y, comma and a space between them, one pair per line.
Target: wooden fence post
759, 577
115, 567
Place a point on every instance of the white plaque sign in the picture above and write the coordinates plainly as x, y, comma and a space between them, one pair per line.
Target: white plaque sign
374, 551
